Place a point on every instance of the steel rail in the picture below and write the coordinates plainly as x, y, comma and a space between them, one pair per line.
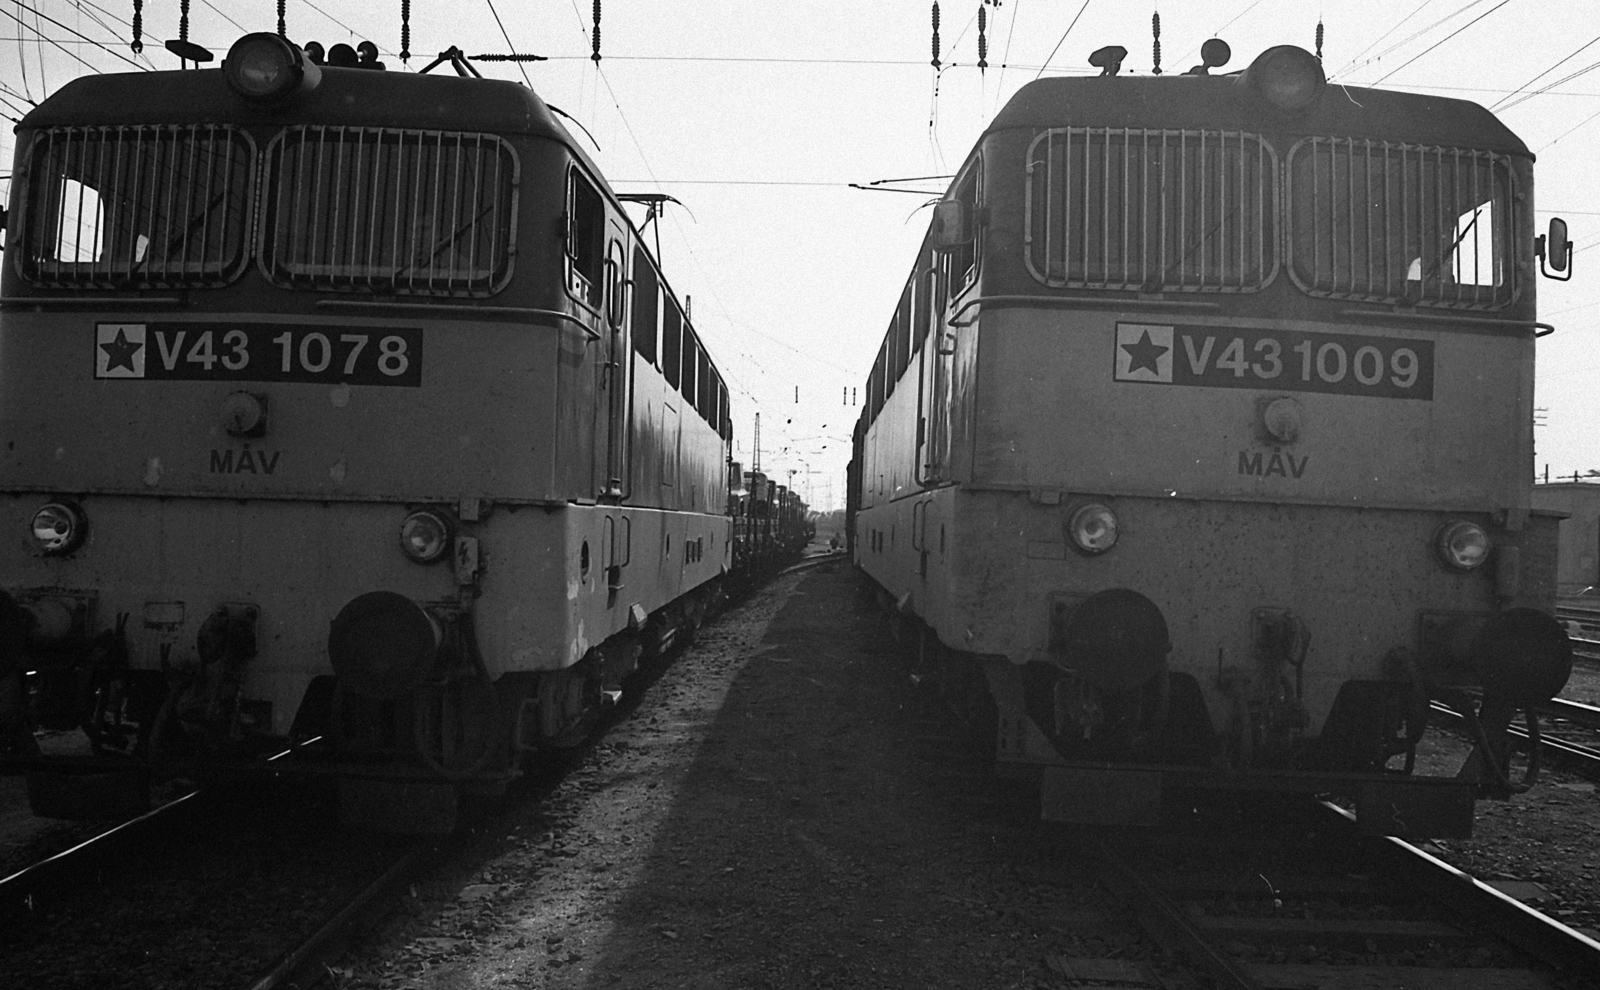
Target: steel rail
1587, 755
17, 890
1540, 936
303, 965
1537, 934
1576, 712
1168, 923
816, 559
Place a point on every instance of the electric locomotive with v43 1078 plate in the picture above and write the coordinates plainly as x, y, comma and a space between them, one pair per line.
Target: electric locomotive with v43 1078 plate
348, 429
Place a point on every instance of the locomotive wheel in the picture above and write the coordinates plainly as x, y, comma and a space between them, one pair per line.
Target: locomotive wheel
457, 725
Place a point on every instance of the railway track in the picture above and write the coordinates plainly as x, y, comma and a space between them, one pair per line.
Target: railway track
1253, 903
270, 899
1571, 735
1310, 904
211, 891
1583, 626
306, 963
33, 887
59, 881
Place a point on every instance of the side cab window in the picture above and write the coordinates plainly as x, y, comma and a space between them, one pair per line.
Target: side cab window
671, 340
646, 307
586, 231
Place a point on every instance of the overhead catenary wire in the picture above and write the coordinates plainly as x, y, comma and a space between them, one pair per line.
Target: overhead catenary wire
734, 380
644, 159
1546, 72
1538, 92
5, 88
347, 28
1195, 50
94, 13
1410, 37
76, 33
839, 184
505, 34
1379, 40
22, 59
9, 99
1063, 40
1441, 41
44, 78
892, 62
72, 54
1016, 8
1569, 130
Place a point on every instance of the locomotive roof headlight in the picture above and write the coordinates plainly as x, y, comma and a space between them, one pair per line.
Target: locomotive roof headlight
1092, 527
59, 528
1462, 545
265, 67
425, 536
1288, 77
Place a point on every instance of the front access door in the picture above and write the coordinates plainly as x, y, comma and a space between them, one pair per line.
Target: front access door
933, 383
611, 449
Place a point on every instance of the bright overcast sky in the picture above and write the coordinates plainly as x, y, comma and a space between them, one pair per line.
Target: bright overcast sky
760, 115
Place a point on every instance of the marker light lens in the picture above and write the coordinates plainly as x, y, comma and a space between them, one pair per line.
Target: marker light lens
1288, 77
59, 528
1093, 528
425, 536
1463, 545
263, 66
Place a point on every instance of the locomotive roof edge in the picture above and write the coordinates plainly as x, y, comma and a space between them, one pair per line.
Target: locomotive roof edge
1224, 103
348, 97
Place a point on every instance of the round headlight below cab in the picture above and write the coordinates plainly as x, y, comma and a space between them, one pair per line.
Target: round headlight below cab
1092, 528
59, 528
1462, 545
425, 536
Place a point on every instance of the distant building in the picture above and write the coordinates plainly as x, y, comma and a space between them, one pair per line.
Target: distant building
1578, 566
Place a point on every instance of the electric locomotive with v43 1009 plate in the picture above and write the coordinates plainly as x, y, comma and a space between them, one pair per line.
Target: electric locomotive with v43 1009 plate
1198, 453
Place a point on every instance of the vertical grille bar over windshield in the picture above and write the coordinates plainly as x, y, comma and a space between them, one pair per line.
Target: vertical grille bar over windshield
1387, 222
164, 206
1151, 210
389, 210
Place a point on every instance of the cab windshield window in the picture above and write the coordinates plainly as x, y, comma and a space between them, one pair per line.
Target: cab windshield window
1400, 223
1151, 210
388, 210
159, 206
